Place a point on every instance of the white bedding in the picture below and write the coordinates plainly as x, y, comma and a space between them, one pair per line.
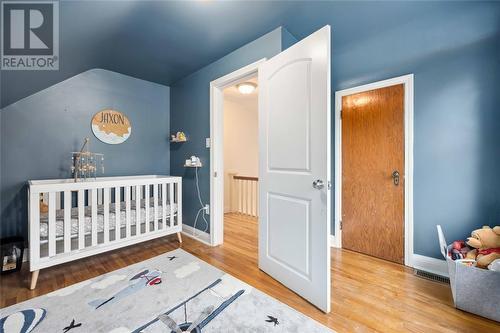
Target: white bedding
100, 217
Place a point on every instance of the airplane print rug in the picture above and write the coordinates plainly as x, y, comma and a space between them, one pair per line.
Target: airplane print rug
174, 292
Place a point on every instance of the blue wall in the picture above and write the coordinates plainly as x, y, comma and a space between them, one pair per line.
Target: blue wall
456, 62
287, 39
39, 132
455, 59
190, 112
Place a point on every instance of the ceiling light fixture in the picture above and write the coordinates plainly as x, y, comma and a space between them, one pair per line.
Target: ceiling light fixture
246, 87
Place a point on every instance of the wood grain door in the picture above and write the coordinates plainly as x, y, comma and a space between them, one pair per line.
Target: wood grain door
372, 151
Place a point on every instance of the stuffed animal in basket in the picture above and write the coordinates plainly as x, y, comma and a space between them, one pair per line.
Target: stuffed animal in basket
486, 244
459, 250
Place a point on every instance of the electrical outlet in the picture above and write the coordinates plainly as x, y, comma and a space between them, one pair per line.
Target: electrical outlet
207, 209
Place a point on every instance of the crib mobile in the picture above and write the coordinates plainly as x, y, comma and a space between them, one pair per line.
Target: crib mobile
85, 164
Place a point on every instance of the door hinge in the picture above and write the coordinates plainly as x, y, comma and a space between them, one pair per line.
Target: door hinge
340, 225
340, 113
329, 185
215, 174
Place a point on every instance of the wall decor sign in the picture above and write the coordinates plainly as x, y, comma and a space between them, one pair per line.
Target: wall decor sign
111, 126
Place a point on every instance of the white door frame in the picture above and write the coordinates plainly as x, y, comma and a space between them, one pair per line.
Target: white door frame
217, 146
407, 81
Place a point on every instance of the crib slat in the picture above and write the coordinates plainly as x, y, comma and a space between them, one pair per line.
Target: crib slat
58, 200
67, 221
171, 203
93, 207
118, 224
34, 227
164, 205
146, 207
81, 219
179, 203
105, 207
52, 224
127, 211
138, 210
155, 206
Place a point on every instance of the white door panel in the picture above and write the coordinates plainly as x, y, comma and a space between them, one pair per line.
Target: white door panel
289, 152
294, 134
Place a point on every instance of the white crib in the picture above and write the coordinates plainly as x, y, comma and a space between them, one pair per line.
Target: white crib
69, 221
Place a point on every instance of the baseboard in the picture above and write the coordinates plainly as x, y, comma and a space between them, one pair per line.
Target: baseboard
429, 264
199, 235
333, 242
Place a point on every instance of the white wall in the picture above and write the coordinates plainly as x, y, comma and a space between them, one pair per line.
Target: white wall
241, 146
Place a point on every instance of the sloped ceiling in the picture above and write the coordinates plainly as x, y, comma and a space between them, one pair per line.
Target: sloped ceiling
163, 41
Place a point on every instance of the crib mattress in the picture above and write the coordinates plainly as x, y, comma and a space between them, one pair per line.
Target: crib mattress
44, 218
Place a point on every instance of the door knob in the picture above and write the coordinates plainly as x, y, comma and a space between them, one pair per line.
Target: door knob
318, 184
395, 177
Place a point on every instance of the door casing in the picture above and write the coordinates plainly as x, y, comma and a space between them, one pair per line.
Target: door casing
407, 81
217, 146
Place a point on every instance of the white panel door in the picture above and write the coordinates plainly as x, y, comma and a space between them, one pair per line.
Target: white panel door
294, 168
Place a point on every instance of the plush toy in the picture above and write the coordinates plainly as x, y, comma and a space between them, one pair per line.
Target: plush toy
459, 250
486, 244
44, 208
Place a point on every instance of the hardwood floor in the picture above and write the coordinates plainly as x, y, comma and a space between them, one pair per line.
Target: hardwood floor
368, 294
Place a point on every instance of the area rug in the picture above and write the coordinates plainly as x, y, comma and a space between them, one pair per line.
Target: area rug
174, 292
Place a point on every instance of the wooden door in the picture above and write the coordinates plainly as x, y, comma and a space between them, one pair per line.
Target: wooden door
372, 151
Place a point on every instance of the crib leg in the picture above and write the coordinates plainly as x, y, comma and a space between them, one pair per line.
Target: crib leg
34, 278
179, 237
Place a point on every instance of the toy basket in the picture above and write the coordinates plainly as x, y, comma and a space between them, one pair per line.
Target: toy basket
474, 290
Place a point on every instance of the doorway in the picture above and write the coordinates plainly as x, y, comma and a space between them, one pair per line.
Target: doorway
217, 170
241, 161
374, 169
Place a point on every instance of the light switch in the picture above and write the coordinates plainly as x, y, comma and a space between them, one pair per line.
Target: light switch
207, 142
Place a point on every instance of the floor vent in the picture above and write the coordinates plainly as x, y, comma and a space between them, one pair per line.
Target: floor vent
431, 276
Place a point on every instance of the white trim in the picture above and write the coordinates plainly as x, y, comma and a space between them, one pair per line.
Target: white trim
332, 241
429, 264
196, 234
407, 81
217, 146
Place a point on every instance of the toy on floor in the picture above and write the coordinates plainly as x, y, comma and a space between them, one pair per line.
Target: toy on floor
486, 244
